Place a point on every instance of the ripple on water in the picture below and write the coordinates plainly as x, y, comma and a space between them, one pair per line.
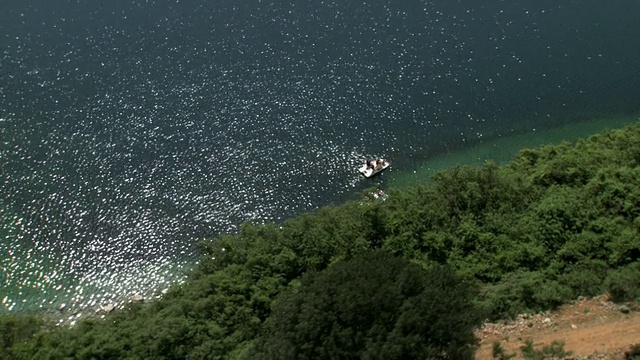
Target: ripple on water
130, 132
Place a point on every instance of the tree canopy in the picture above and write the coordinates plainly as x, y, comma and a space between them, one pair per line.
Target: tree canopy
374, 306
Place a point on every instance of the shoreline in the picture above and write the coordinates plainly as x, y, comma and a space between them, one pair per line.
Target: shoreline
502, 149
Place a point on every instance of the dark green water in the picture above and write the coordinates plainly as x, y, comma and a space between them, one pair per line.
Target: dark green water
131, 130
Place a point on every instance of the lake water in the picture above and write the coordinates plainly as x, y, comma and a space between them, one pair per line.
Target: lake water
134, 129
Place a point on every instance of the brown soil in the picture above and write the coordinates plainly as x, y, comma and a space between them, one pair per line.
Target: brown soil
587, 327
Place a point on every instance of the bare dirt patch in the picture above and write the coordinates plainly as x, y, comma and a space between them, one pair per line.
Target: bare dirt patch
587, 327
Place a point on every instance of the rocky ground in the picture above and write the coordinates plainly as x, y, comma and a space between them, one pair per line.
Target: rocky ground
592, 328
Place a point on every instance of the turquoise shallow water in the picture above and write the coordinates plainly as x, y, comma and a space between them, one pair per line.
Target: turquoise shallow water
131, 130
502, 150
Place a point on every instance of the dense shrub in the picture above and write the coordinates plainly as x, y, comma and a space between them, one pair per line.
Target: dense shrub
16, 334
553, 351
375, 306
624, 284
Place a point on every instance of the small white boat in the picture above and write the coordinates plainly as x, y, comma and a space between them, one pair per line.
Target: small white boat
373, 167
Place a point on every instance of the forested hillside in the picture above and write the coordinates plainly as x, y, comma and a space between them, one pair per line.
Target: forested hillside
492, 241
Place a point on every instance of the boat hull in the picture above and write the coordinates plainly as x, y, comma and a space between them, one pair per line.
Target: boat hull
367, 171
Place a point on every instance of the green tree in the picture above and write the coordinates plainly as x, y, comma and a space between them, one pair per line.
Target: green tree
623, 284
16, 332
374, 306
